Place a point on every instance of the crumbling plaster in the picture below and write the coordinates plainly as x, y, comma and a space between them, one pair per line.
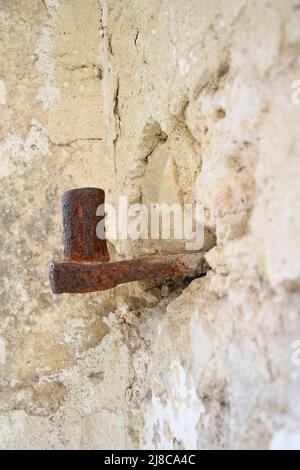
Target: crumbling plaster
164, 101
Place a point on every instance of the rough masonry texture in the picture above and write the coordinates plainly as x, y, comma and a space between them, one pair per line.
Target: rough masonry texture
162, 101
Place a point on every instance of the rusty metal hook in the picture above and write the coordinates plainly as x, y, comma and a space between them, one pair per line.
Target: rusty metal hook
86, 266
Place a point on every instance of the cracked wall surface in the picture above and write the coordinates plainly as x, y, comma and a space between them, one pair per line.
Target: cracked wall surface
163, 101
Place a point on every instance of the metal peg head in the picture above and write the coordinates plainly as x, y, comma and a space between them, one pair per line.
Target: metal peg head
79, 208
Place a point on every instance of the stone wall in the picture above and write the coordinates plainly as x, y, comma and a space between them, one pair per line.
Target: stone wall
162, 101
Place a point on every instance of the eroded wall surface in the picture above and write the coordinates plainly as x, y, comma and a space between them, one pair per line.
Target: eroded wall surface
162, 101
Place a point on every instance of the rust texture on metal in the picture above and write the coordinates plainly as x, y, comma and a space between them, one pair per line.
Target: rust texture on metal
79, 208
90, 277
85, 267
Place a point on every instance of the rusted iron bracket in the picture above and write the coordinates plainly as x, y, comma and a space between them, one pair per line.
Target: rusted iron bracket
86, 266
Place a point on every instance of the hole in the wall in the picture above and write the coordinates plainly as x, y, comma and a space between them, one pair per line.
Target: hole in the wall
220, 113
223, 70
187, 280
99, 73
176, 286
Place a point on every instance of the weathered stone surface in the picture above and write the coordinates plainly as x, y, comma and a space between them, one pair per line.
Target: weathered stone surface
163, 101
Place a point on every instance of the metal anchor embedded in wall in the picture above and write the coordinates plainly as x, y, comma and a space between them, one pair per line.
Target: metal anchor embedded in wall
86, 266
